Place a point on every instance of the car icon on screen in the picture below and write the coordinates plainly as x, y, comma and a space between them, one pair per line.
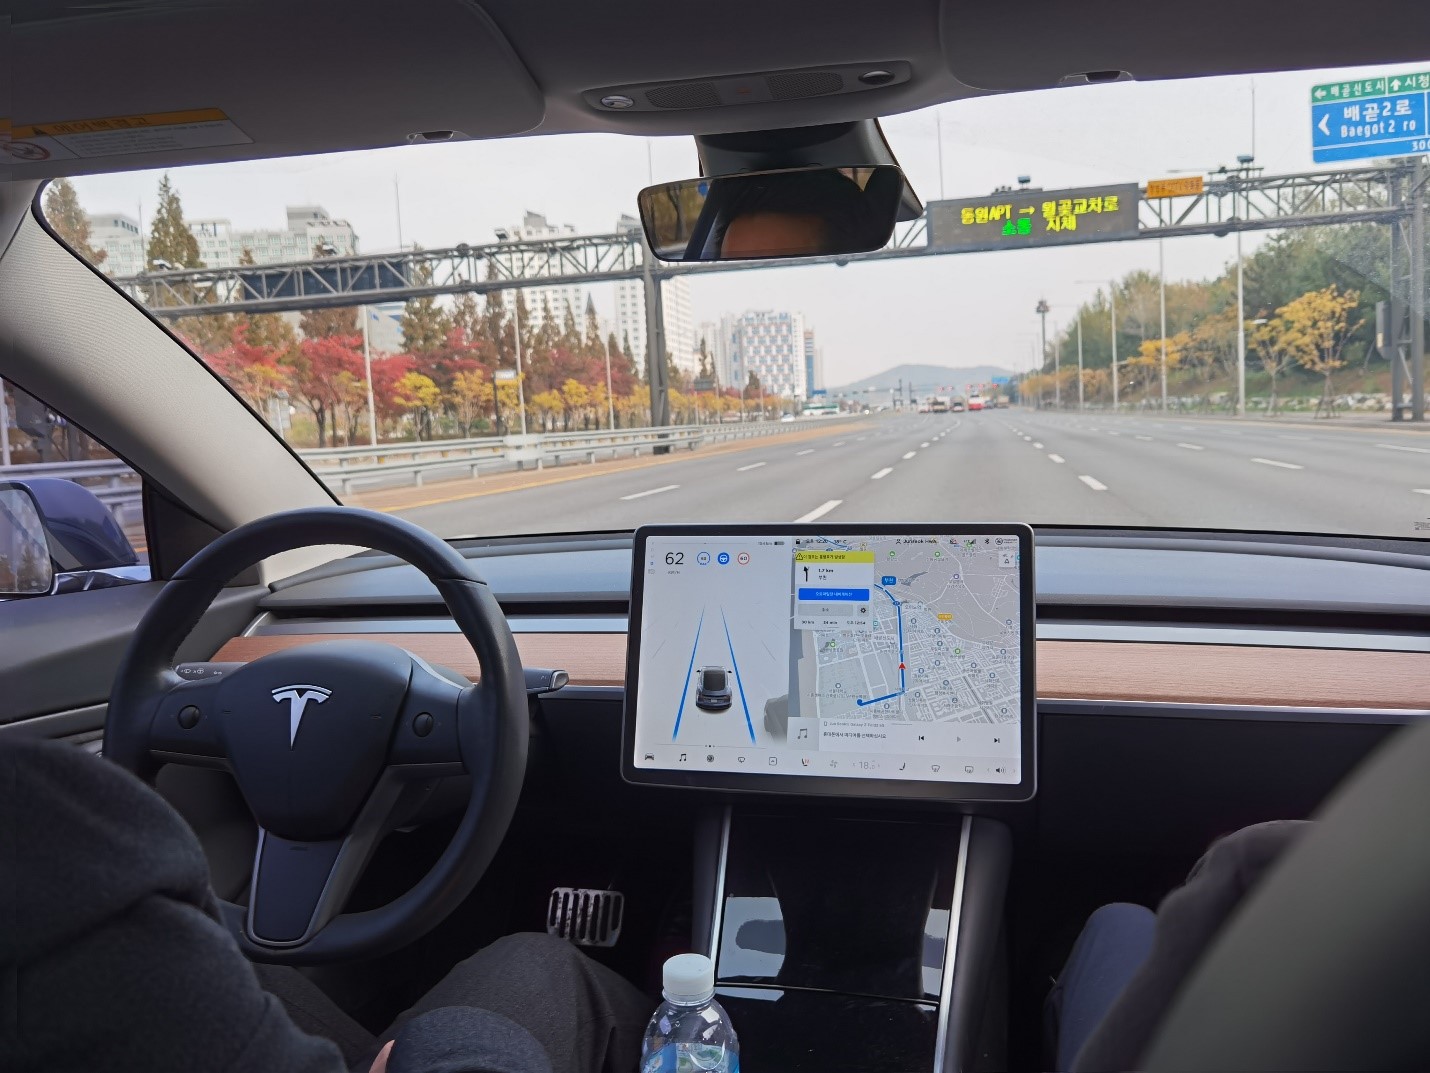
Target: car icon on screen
712, 689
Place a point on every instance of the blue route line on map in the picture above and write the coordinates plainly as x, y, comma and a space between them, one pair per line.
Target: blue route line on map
899, 611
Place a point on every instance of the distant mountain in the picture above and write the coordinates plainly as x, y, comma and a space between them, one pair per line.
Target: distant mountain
922, 378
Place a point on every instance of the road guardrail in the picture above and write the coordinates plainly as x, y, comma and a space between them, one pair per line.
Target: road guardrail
341, 468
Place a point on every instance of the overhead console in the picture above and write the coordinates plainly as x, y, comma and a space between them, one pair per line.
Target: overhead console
859, 662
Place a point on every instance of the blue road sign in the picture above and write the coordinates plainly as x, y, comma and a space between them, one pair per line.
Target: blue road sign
1001, 380
1372, 118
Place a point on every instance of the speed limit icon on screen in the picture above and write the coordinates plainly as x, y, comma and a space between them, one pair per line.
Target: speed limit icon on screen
743, 558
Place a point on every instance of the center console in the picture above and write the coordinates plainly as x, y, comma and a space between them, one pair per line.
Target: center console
891, 667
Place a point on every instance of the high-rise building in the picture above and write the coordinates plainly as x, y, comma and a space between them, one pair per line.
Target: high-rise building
771, 345
681, 346
122, 239
813, 363
559, 299
311, 232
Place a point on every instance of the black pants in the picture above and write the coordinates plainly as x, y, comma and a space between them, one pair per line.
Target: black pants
586, 1018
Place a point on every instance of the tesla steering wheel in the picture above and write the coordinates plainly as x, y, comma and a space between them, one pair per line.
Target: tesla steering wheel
329, 741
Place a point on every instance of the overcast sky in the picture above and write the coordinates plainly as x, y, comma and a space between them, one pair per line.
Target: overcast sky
955, 310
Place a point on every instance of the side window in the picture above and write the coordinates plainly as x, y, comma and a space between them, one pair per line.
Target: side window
65, 498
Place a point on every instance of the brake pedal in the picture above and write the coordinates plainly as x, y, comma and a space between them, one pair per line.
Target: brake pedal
586, 917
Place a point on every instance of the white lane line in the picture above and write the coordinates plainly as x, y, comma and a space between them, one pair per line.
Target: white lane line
1144, 438
881, 474
1093, 483
1039, 446
1111, 433
806, 451
1302, 438
840, 443
1422, 491
1027, 439
819, 511
752, 465
652, 491
1192, 446
1399, 447
1057, 458
1278, 465
909, 454
925, 444
859, 439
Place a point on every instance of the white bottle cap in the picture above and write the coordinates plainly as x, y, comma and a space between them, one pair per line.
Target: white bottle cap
689, 979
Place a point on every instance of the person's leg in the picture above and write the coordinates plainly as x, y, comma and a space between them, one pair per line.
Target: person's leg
316, 1014
1113, 945
588, 1018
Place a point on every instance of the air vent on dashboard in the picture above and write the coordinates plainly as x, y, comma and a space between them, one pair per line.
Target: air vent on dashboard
758, 87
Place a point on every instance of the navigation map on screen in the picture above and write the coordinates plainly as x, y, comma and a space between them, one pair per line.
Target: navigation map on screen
874, 657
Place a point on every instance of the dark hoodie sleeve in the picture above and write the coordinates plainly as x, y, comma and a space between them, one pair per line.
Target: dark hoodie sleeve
1188, 920
112, 957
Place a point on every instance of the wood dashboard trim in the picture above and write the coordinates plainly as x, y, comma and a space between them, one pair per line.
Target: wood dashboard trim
1082, 670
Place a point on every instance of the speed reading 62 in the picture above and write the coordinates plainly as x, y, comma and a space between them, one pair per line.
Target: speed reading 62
675, 558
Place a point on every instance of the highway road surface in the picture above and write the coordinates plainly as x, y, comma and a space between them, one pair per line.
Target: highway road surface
996, 465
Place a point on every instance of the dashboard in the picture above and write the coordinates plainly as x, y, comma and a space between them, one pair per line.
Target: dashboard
874, 661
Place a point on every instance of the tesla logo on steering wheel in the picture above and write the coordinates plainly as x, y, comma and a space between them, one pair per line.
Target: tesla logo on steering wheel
298, 698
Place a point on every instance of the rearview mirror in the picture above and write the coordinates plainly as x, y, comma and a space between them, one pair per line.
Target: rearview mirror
25, 566
801, 212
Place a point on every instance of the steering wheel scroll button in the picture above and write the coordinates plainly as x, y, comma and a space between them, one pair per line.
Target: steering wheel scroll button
189, 717
422, 725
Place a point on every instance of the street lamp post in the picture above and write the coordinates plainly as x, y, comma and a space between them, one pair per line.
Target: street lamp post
520, 388
610, 400
1057, 370
1240, 334
1112, 305
367, 373
1042, 311
1162, 295
1079, 360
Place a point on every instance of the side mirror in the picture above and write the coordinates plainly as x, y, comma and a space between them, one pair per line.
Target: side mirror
25, 565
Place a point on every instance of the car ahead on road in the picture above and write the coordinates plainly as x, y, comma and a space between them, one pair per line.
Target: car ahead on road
1229, 622
712, 689
957, 405
975, 402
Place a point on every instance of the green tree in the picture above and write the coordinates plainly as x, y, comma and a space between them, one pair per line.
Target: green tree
70, 221
170, 239
424, 323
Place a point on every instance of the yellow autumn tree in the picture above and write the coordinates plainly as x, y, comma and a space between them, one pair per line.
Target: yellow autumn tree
1318, 325
471, 398
418, 395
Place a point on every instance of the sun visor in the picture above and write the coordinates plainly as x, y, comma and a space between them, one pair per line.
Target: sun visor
1043, 43
158, 83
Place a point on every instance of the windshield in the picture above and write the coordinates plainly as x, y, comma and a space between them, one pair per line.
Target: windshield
1195, 304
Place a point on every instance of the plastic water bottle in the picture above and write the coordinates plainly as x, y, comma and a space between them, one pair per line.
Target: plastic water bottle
690, 1032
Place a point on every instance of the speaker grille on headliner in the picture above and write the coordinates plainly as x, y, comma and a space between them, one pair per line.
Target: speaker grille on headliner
786, 87
688, 95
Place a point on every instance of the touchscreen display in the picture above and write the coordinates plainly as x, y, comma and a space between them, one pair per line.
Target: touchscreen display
870, 655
